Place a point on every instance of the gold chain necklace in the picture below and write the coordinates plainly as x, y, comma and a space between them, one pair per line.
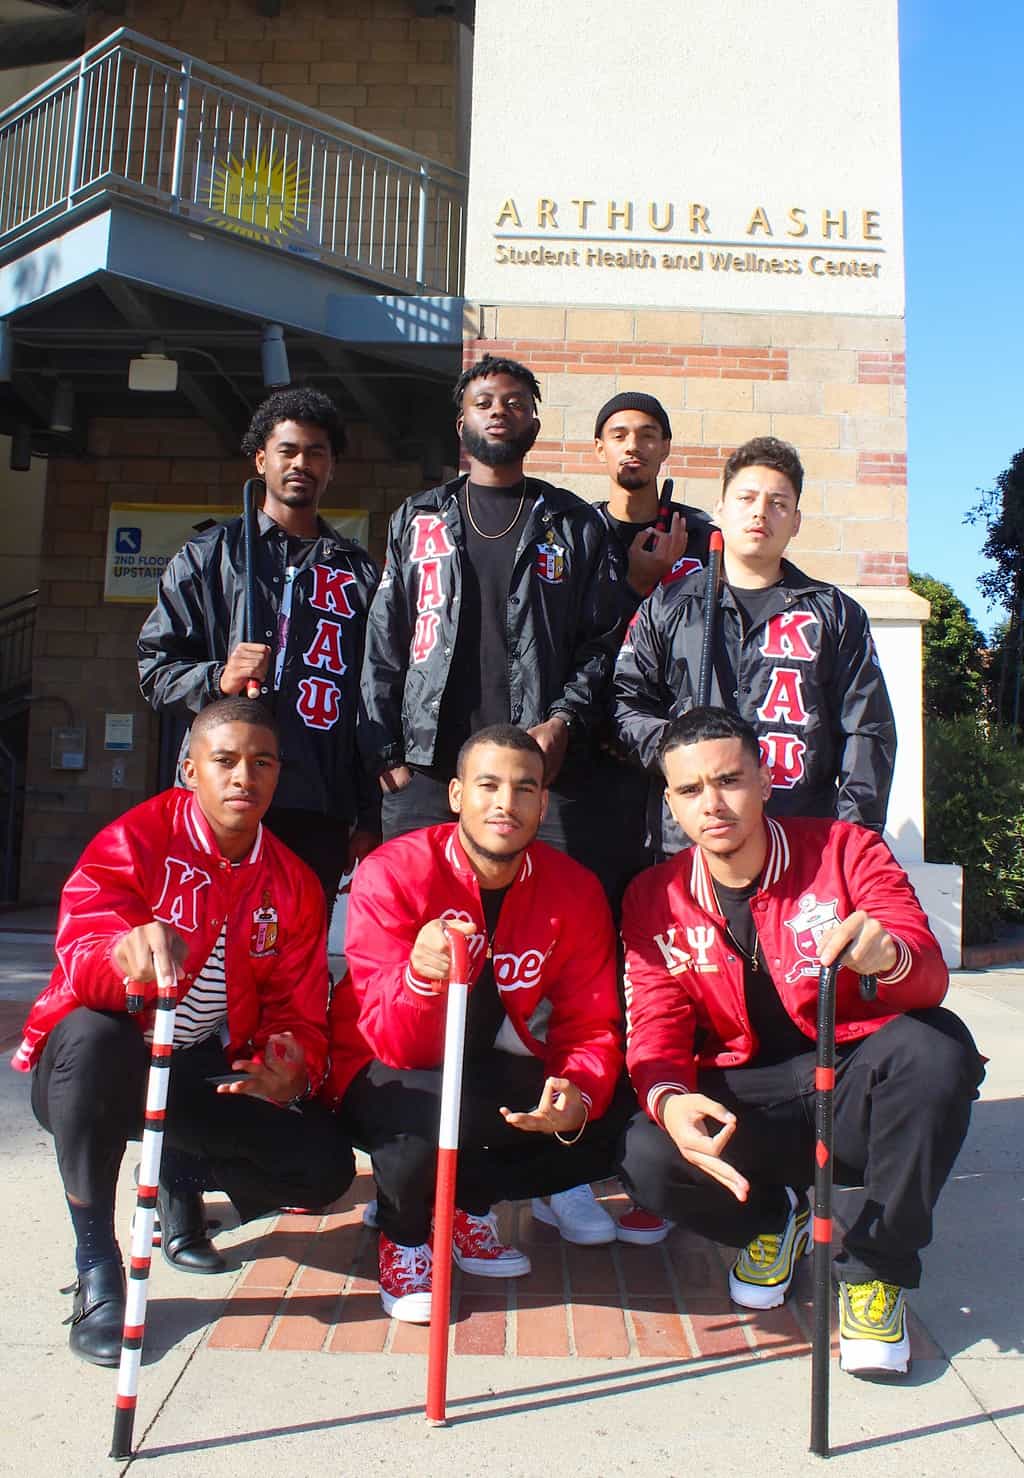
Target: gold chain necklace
515, 517
754, 956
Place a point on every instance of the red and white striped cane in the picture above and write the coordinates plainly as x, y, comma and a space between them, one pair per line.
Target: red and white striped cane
447, 1165
145, 1211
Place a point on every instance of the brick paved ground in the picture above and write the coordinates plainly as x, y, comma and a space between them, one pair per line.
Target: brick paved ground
311, 1284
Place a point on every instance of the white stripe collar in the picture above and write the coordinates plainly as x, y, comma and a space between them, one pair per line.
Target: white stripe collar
776, 863
457, 859
202, 838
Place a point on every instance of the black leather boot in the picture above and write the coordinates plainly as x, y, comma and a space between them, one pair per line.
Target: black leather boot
97, 1318
184, 1238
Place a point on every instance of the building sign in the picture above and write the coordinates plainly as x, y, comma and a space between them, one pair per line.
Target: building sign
739, 158
686, 236
142, 537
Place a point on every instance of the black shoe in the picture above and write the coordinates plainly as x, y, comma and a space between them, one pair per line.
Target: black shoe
97, 1318
184, 1238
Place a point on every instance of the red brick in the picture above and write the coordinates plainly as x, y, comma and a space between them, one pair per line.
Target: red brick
698, 1269
660, 1333
645, 1271
244, 1326
304, 1322
480, 1326
599, 1329
717, 1329
363, 1326
541, 1326
410, 1339
777, 1330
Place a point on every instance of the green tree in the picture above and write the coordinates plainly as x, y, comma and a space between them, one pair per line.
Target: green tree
1001, 510
954, 664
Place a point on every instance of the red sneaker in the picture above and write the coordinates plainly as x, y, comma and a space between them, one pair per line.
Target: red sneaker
476, 1249
405, 1280
642, 1227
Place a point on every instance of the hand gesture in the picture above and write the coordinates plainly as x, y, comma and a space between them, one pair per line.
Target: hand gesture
281, 1076
684, 1118
652, 555
562, 1110
553, 737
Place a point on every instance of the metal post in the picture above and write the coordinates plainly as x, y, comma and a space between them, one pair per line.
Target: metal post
178, 162
421, 230
78, 132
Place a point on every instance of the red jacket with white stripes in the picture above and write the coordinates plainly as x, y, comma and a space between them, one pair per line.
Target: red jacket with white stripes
685, 1002
553, 954
160, 861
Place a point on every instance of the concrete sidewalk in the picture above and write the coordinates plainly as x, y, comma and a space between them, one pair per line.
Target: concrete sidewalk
622, 1361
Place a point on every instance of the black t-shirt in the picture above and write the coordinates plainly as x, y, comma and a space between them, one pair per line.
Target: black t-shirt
778, 1037
484, 1012
754, 604
477, 692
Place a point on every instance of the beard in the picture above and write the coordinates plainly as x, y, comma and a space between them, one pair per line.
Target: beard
631, 479
498, 453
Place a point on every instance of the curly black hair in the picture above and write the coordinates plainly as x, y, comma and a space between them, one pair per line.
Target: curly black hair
766, 451
308, 407
492, 364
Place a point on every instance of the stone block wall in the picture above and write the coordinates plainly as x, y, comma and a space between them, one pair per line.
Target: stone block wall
831, 384
84, 660
371, 63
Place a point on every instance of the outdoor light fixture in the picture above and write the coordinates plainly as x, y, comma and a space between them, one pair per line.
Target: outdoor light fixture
6, 352
153, 370
62, 416
21, 447
274, 356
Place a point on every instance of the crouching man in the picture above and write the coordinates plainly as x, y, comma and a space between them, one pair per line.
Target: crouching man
188, 882
544, 1099
723, 950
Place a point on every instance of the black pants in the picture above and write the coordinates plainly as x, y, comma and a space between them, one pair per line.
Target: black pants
902, 1105
89, 1091
321, 842
394, 1115
595, 816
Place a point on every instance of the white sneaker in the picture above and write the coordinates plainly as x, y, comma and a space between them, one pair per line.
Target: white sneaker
762, 1274
873, 1338
405, 1281
476, 1248
577, 1216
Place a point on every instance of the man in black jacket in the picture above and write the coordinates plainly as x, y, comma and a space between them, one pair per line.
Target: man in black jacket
793, 656
313, 590
502, 601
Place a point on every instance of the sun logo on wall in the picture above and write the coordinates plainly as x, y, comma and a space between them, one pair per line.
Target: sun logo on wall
263, 196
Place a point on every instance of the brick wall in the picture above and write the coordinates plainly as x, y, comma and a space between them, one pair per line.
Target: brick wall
832, 385
376, 65
84, 662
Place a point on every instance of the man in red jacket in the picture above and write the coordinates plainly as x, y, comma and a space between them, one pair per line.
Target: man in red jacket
187, 883
543, 1099
724, 944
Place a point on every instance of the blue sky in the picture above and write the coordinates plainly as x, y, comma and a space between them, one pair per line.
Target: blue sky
963, 182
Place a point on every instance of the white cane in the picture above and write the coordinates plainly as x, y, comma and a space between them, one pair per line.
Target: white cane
447, 1165
145, 1211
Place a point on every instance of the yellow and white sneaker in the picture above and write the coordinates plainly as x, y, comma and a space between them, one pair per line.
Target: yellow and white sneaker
873, 1338
762, 1274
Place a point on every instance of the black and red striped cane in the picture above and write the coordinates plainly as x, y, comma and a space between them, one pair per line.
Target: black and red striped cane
664, 518
145, 1211
824, 1087
707, 648
447, 1165
252, 687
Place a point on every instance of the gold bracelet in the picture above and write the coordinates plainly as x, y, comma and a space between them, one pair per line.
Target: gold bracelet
586, 1117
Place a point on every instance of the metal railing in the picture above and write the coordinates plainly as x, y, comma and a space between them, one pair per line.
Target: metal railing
134, 117
17, 630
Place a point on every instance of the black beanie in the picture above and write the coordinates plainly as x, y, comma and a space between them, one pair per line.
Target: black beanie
633, 400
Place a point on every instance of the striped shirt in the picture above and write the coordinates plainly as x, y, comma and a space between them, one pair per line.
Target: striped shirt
204, 1010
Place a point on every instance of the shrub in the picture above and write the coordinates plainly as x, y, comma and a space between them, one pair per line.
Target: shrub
974, 816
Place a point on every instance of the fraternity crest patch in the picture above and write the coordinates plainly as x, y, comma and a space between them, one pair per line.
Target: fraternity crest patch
809, 924
263, 936
550, 565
